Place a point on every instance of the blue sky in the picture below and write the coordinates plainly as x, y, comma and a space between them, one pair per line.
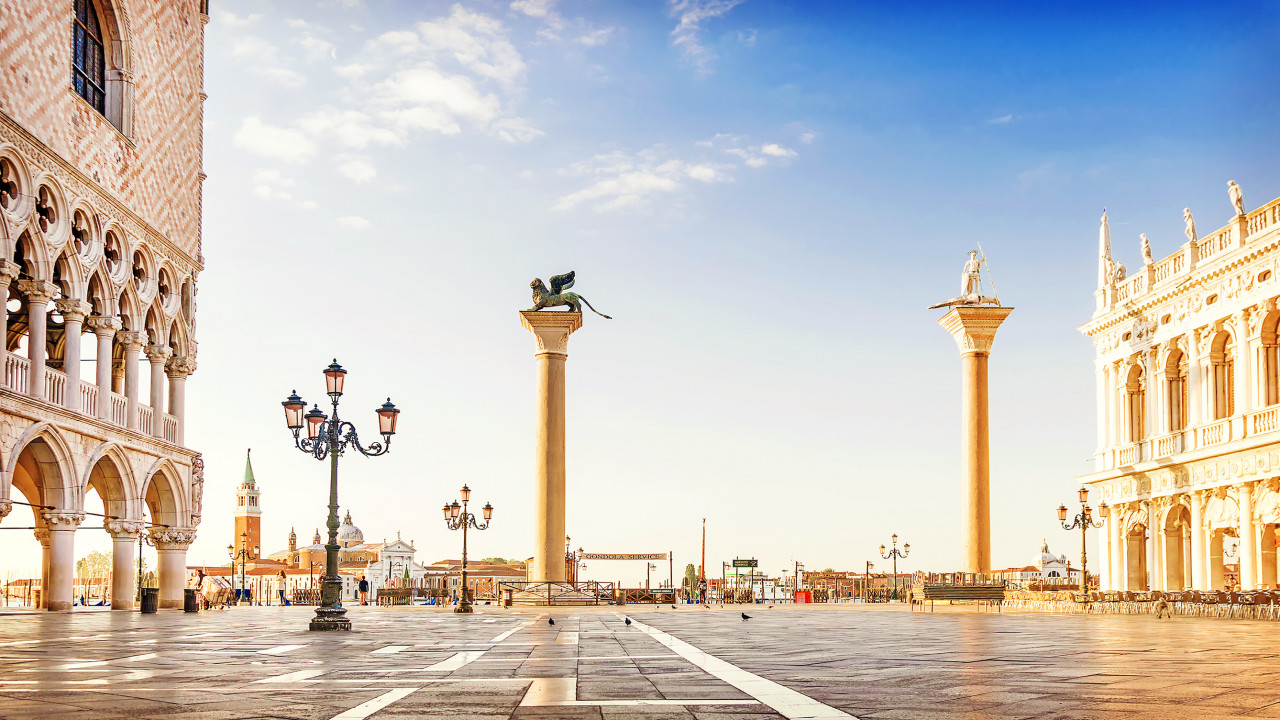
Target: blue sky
766, 196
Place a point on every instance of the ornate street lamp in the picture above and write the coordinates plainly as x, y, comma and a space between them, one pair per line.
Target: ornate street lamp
330, 437
648, 566
242, 555
895, 553
457, 517
1084, 521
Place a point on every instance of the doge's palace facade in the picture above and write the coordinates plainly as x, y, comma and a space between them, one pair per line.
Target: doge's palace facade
1188, 382
100, 173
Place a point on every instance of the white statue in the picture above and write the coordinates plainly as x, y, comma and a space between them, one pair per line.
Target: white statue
1191, 224
1237, 197
1146, 249
1119, 273
970, 285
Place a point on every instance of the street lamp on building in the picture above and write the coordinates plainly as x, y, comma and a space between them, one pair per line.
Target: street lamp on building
457, 517
242, 555
329, 437
1084, 521
895, 553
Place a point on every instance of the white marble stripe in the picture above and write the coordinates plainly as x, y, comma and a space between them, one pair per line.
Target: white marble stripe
280, 649
784, 700
392, 649
296, 676
562, 692
365, 709
503, 636
457, 660
567, 637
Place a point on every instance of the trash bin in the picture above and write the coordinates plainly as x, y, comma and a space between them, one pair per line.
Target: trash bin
190, 600
150, 599
507, 602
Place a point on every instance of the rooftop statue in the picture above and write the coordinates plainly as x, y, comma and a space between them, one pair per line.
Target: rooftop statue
1236, 195
1146, 249
1191, 224
970, 285
555, 297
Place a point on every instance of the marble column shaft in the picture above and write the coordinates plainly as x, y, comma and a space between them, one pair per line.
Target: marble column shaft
124, 543
39, 293
62, 558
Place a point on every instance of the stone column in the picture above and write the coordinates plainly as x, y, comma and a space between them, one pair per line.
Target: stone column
1217, 575
1103, 372
1104, 555
1244, 366
158, 355
1152, 562
124, 542
171, 560
179, 368
39, 293
8, 273
1247, 546
133, 342
552, 330
1115, 525
105, 329
1195, 388
974, 329
42, 536
1198, 558
73, 315
62, 558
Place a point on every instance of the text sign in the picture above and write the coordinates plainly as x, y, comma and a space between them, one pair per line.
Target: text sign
745, 563
622, 556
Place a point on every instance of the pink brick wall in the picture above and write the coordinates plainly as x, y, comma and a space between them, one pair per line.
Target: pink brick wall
155, 171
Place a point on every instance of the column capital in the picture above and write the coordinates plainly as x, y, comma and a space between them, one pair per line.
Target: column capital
551, 329
8, 272
38, 290
42, 536
62, 520
6, 507
172, 538
133, 339
73, 309
104, 324
180, 366
124, 529
158, 353
974, 326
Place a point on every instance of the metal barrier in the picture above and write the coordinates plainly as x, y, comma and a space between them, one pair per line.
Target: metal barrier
558, 593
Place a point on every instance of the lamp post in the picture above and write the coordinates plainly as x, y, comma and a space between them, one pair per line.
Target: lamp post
648, 566
330, 437
1084, 521
456, 517
143, 537
242, 555
895, 553
866, 583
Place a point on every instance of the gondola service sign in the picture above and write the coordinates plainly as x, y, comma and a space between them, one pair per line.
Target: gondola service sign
622, 556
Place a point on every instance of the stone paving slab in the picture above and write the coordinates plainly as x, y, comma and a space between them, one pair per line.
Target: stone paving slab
690, 664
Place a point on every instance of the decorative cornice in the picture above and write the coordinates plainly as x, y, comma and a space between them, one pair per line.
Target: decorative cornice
974, 327
103, 324
73, 309
158, 353
180, 366
122, 529
551, 329
172, 538
62, 520
133, 339
38, 290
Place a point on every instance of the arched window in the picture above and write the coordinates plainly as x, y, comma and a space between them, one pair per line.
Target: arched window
1135, 398
1223, 374
88, 57
1270, 365
1175, 374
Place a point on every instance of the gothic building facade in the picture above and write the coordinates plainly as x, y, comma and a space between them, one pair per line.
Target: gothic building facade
100, 189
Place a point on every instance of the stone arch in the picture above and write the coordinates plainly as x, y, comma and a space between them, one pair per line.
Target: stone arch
162, 492
48, 191
1269, 367
1135, 387
155, 326
142, 263
32, 257
1222, 375
110, 474
15, 199
69, 274
86, 232
98, 294
41, 464
131, 310
179, 341
115, 250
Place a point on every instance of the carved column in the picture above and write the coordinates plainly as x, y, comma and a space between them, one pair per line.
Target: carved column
179, 368
974, 329
39, 293
1115, 524
105, 329
1195, 389
8, 273
133, 342
1247, 547
171, 559
62, 557
1104, 559
552, 330
1198, 560
1244, 366
73, 315
42, 537
124, 539
158, 355
1103, 373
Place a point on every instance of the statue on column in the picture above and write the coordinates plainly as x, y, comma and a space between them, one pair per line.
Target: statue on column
970, 285
555, 297
1191, 224
1236, 195
1146, 249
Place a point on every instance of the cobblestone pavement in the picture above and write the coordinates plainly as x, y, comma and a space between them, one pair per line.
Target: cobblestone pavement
691, 663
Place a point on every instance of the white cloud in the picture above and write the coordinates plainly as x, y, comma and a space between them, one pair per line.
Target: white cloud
268, 141
284, 77
688, 32
596, 37
807, 137
252, 46
622, 181
1002, 120
475, 41
534, 8
351, 128
272, 186
358, 169
314, 48
222, 17
747, 37
776, 150
753, 156
353, 222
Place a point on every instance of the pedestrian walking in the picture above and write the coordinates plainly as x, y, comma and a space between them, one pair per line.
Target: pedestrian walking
282, 581
364, 591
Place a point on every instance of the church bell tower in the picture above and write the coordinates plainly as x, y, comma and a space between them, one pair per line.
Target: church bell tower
248, 510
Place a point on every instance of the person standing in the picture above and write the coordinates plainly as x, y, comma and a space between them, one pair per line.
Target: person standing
281, 579
364, 591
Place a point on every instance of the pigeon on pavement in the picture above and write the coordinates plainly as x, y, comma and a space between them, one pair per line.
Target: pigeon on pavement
551, 621
627, 620
746, 616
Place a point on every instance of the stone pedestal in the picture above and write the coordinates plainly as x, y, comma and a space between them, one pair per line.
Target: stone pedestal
552, 330
974, 329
